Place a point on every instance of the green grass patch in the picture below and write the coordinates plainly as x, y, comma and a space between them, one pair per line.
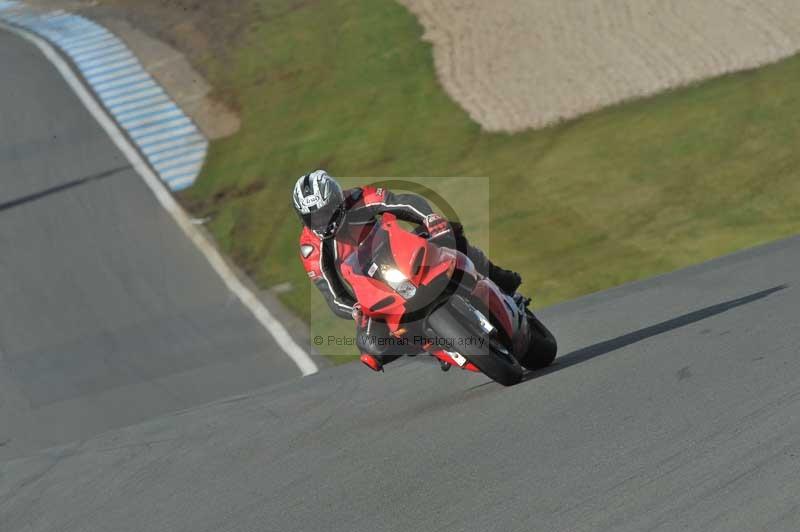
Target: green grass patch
621, 194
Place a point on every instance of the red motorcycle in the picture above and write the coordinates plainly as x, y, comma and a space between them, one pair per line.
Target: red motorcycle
431, 297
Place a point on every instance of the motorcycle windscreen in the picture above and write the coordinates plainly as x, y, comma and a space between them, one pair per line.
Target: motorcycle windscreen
374, 254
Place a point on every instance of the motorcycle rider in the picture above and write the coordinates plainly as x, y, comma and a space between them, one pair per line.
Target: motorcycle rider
335, 221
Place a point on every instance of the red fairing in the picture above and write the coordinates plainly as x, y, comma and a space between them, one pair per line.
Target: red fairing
310, 252
472, 367
444, 357
441, 260
373, 195
371, 292
311, 247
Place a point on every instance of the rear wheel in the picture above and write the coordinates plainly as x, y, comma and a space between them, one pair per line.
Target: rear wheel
543, 347
487, 353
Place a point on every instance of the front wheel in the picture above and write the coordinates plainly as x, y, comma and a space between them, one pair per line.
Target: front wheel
543, 347
485, 352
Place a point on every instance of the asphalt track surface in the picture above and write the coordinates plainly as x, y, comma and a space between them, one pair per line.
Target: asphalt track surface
108, 314
675, 405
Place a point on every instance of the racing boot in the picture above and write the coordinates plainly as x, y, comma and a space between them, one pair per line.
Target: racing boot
376, 362
506, 280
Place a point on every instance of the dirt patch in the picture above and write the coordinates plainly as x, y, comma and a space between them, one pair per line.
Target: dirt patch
518, 64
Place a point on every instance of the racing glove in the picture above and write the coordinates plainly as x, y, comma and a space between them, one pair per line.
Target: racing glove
436, 226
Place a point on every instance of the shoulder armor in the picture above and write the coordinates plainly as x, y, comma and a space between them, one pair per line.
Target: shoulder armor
374, 195
310, 246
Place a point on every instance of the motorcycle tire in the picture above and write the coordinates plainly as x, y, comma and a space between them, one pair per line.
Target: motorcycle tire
496, 363
543, 347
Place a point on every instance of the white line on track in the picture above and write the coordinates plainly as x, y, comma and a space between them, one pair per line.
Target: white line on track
248, 299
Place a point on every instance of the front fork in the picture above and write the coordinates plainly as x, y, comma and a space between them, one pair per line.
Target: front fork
476, 320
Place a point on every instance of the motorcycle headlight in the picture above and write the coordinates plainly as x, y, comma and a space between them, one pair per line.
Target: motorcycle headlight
398, 282
393, 275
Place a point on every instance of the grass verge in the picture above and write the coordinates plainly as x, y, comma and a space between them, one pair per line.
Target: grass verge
622, 194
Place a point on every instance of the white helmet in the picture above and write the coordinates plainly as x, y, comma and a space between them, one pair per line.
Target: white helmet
319, 201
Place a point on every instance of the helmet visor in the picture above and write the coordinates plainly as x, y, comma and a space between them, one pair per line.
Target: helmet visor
325, 221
